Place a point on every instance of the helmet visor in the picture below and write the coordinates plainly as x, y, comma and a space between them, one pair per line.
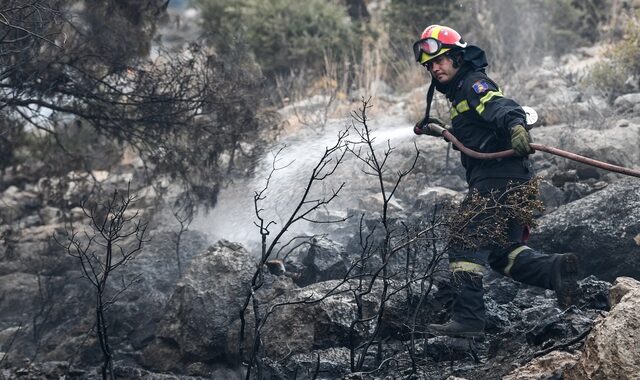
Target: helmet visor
430, 46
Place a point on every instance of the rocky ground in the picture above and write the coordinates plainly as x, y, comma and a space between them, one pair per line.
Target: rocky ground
185, 323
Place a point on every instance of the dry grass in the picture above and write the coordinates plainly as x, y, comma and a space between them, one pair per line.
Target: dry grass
386, 65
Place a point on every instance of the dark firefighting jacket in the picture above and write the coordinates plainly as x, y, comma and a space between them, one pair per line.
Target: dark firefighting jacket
481, 119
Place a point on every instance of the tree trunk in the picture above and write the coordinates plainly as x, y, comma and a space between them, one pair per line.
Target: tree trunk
357, 10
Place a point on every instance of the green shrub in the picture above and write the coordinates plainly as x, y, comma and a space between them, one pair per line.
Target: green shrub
608, 78
408, 18
282, 34
611, 77
627, 52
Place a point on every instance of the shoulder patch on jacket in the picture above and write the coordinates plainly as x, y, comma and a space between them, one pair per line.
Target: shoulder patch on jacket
480, 86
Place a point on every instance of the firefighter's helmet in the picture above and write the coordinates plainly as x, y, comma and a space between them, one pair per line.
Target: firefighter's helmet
435, 41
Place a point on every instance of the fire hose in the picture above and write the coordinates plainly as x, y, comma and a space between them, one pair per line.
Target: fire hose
555, 151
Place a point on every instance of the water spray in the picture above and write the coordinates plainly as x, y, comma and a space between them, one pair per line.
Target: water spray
555, 151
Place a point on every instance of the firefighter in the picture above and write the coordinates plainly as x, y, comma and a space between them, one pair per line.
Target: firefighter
484, 120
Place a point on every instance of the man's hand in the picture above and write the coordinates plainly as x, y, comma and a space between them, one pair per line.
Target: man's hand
520, 141
422, 128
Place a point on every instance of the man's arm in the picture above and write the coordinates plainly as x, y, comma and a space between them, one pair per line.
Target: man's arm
502, 113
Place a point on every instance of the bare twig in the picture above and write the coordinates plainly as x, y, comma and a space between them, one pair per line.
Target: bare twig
563, 345
375, 164
183, 214
114, 239
302, 210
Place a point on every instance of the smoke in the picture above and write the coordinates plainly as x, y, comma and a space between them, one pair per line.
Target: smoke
234, 215
519, 33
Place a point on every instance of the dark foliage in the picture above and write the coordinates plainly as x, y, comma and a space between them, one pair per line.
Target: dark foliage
70, 64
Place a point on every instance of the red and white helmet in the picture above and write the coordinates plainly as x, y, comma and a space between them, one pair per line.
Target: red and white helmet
436, 40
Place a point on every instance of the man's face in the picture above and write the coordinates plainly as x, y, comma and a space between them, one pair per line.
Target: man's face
441, 68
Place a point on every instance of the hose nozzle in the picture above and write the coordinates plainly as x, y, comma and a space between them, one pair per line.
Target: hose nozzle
437, 129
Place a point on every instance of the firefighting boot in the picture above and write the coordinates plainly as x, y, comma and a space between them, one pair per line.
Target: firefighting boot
468, 313
556, 272
564, 279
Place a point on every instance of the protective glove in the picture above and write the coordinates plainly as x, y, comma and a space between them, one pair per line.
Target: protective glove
421, 127
520, 141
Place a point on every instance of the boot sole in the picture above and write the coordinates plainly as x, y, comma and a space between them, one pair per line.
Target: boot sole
568, 285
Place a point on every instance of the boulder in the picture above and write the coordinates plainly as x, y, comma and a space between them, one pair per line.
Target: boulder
611, 349
500, 317
551, 196
204, 306
307, 319
549, 366
558, 328
20, 175
627, 101
45, 370
321, 260
594, 294
51, 215
15, 203
63, 370
49, 292
375, 202
301, 328
445, 348
622, 287
577, 190
331, 363
601, 228
439, 194
617, 146
143, 305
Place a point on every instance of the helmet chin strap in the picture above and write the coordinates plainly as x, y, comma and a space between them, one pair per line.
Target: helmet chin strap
432, 88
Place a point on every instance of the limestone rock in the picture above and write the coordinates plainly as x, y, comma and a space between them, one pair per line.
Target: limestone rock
439, 194
203, 307
599, 228
14, 203
611, 349
322, 260
621, 288
331, 363
617, 146
594, 294
51, 215
549, 366
551, 196
301, 328
627, 100
375, 202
